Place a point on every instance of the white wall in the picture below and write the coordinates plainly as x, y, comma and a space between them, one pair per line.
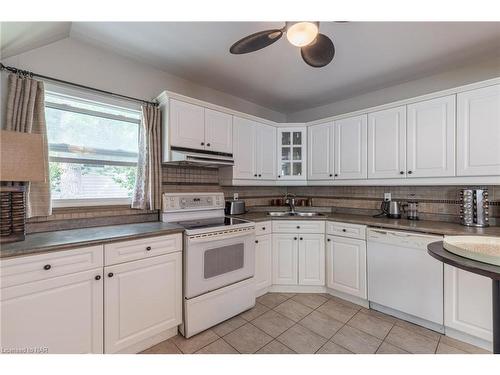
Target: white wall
82, 63
456, 77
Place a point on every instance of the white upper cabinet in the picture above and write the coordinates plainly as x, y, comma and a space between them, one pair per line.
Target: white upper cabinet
266, 152
478, 132
292, 153
431, 138
218, 131
200, 128
187, 125
244, 148
387, 143
254, 150
320, 150
350, 148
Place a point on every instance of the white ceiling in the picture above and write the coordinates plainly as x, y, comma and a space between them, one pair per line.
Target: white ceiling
369, 56
17, 37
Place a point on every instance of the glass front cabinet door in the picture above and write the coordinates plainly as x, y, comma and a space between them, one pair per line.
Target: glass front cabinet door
292, 153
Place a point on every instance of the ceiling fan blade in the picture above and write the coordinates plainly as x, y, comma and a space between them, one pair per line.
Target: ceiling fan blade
319, 53
256, 41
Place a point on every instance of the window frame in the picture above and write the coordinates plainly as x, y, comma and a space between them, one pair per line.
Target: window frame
84, 96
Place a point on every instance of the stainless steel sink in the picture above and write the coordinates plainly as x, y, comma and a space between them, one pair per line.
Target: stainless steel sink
308, 214
288, 213
280, 213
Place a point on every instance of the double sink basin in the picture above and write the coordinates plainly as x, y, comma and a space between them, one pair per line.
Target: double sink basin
299, 214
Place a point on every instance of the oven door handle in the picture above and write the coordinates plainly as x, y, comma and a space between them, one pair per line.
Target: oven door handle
220, 235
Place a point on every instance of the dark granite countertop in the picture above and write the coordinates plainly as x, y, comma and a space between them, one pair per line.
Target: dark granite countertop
425, 226
67, 239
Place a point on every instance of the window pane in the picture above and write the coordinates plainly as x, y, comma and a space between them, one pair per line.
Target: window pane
297, 169
285, 153
91, 156
76, 135
285, 138
85, 181
297, 153
285, 169
297, 138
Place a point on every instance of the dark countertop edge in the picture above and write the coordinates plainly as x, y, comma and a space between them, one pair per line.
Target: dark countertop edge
9, 254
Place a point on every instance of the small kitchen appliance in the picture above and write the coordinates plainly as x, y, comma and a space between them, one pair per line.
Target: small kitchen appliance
412, 208
391, 209
474, 207
218, 259
235, 207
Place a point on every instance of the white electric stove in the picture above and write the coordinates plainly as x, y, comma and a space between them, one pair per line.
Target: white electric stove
219, 259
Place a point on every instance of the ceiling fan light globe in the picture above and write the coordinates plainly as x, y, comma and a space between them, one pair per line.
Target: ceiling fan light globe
301, 34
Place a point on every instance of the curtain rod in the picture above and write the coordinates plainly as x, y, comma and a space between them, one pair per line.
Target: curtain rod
31, 74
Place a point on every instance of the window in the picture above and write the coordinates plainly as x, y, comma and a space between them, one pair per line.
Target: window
93, 150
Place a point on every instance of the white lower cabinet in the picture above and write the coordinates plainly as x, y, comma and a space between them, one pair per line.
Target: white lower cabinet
298, 259
142, 298
346, 265
285, 259
467, 303
57, 315
263, 263
311, 259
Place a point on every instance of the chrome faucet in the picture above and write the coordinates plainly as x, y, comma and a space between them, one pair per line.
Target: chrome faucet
290, 200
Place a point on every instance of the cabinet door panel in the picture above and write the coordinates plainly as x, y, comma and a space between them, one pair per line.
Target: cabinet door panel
346, 265
63, 314
218, 131
431, 138
467, 302
320, 148
478, 127
350, 148
142, 298
292, 153
387, 143
263, 262
244, 149
285, 254
266, 152
311, 259
187, 125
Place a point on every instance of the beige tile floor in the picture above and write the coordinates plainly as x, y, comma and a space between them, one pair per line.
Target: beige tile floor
286, 323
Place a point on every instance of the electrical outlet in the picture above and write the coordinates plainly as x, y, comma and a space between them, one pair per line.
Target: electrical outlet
387, 196
235, 196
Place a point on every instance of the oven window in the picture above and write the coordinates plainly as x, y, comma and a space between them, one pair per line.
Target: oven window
224, 259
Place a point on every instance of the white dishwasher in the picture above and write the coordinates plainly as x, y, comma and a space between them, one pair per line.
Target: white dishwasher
403, 277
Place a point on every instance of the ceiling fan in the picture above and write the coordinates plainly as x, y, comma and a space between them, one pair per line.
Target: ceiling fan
316, 49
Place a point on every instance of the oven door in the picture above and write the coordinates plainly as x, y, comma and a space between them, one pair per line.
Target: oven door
215, 260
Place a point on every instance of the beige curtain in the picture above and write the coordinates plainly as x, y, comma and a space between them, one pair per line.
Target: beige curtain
147, 191
26, 113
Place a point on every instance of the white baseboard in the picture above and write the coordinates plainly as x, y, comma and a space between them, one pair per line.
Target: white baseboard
469, 339
409, 318
347, 297
297, 289
149, 342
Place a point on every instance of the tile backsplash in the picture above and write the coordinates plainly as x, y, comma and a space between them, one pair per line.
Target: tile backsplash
439, 203
435, 202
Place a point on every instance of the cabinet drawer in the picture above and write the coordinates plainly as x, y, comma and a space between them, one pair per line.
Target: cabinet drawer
29, 268
127, 251
346, 230
262, 228
299, 226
